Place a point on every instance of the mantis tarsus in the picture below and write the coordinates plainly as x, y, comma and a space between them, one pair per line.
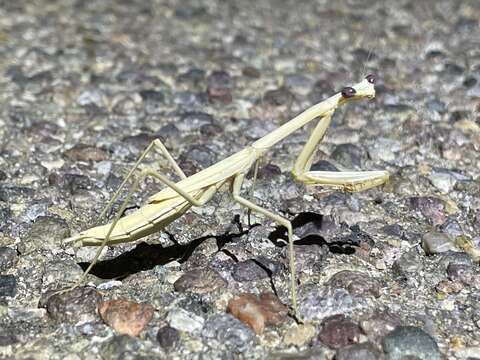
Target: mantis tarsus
173, 201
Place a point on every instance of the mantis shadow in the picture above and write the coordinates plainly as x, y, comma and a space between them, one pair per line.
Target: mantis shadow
146, 256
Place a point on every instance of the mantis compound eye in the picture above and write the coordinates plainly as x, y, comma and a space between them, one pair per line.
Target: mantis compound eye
371, 78
348, 92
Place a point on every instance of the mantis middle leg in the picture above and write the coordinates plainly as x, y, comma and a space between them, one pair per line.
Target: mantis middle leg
350, 181
237, 184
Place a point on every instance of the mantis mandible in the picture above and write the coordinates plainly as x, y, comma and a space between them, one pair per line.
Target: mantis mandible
178, 197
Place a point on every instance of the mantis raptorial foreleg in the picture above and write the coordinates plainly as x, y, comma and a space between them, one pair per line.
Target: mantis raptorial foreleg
156, 145
350, 181
207, 195
236, 187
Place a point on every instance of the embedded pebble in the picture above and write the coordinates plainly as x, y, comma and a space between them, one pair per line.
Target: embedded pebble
408, 264
435, 243
72, 306
168, 337
337, 332
356, 283
153, 100
443, 181
200, 281
229, 331
126, 317
8, 285
183, 320
258, 312
410, 341
8, 258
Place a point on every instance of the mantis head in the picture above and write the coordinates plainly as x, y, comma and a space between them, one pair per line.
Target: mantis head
363, 90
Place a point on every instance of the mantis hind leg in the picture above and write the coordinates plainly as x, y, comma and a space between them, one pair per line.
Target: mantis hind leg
237, 184
156, 145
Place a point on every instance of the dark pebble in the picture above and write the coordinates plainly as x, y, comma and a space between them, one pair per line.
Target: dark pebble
168, 337
3, 175
15, 194
192, 121
349, 155
363, 351
192, 76
153, 100
452, 228
278, 97
72, 306
269, 171
363, 55
8, 285
136, 144
8, 258
461, 273
200, 281
255, 269
436, 106
219, 87
432, 208
393, 230
470, 82
83, 152
410, 341
70, 182
251, 72
201, 156
323, 165
453, 69
337, 332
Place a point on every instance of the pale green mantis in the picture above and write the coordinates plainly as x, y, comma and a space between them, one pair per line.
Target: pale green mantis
173, 201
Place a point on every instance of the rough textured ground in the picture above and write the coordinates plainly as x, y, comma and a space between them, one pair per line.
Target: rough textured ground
388, 273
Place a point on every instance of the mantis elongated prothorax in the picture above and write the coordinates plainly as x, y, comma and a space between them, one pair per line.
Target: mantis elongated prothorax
178, 197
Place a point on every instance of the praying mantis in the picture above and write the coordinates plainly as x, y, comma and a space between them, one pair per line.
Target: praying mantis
178, 197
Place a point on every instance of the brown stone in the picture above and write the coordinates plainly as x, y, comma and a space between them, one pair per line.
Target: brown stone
82, 152
126, 317
258, 312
